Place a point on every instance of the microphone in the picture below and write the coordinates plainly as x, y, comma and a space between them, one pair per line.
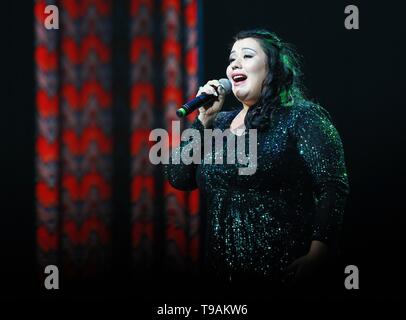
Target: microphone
203, 99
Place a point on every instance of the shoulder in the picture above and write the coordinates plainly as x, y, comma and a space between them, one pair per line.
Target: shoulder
312, 120
308, 115
308, 110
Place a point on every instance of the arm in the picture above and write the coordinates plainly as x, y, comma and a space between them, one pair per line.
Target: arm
320, 148
183, 176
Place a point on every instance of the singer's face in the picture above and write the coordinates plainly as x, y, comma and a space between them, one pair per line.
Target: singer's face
247, 70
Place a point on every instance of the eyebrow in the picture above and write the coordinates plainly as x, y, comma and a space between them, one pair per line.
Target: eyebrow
243, 49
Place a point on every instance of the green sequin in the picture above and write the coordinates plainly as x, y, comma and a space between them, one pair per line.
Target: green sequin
261, 223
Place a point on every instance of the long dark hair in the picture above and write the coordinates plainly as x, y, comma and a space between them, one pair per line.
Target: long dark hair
283, 85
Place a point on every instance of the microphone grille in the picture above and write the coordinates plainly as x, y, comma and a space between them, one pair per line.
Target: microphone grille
226, 84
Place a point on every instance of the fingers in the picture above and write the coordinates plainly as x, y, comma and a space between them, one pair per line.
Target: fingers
211, 87
292, 272
299, 270
207, 89
214, 83
217, 86
292, 266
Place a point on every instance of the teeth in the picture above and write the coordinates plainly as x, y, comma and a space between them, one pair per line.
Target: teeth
239, 77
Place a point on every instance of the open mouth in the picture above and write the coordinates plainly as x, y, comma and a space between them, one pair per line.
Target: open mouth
239, 78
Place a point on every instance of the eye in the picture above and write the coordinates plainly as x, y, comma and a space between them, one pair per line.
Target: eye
231, 60
247, 56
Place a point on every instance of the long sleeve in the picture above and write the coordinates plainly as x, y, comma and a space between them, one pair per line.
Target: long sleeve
320, 148
183, 176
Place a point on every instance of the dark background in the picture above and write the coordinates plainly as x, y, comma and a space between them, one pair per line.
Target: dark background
357, 75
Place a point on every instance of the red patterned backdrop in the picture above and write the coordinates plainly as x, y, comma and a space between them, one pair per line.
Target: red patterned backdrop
75, 142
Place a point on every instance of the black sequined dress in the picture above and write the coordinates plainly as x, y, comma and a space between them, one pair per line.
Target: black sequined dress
260, 223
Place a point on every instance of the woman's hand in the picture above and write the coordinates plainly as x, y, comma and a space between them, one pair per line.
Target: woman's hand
306, 266
208, 113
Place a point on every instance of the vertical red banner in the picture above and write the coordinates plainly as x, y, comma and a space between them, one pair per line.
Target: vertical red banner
47, 140
143, 92
175, 200
192, 84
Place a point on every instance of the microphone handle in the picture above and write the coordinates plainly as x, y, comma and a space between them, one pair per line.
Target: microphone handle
196, 103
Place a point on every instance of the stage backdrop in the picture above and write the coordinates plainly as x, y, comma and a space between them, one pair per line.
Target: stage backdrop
111, 73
